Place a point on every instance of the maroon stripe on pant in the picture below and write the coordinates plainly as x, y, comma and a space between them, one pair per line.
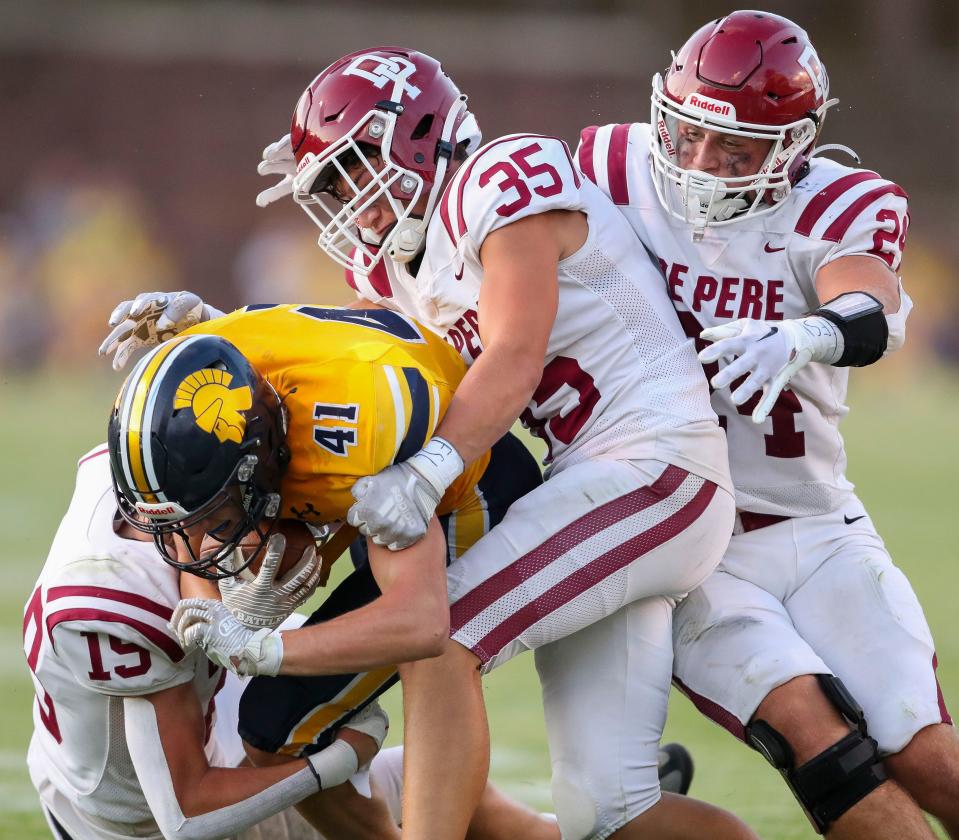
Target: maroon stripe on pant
592, 574
511, 576
716, 713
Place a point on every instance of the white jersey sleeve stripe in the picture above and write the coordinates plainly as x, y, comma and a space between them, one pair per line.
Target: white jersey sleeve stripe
461, 186
93, 453
119, 595
836, 231
601, 157
445, 209
90, 614
822, 201
584, 154
616, 164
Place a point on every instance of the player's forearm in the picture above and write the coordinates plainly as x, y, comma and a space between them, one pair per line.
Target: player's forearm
860, 273
221, 787
409, 621
380, 634
491, 396
191, 800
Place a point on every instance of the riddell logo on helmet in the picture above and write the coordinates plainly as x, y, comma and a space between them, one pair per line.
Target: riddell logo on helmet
160, 510
156, 510
664, 136
711, 106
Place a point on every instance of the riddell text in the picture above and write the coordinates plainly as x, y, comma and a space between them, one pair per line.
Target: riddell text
725, 297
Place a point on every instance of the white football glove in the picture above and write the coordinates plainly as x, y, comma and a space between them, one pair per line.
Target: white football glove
395, 506
277, 160
768, 354
263, 601
210, 626
151, 318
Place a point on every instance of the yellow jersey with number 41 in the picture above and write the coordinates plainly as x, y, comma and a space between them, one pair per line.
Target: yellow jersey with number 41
363, 389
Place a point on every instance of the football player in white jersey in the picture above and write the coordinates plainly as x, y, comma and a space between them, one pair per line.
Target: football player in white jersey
787, 263
536, 279
101, 653
124, 741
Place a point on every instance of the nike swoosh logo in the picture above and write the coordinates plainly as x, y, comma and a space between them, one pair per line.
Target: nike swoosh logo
849, 521
772, 331
769, 250
459, 274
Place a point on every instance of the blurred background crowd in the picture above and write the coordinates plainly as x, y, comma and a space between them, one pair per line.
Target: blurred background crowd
132, 130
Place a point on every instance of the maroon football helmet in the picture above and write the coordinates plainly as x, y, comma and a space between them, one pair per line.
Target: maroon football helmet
384, 122
751, 74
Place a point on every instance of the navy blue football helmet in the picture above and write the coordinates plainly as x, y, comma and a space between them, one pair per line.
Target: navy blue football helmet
197, 446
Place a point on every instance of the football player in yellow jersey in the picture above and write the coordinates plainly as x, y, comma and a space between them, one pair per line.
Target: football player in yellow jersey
275, 412
361, 389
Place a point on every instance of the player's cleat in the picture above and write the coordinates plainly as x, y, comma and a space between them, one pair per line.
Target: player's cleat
675, 768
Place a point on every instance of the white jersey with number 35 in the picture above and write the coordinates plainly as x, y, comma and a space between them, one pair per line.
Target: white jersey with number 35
620, 376
763, 267
95, 631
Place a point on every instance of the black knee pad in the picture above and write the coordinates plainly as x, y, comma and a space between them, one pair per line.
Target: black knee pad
830, 783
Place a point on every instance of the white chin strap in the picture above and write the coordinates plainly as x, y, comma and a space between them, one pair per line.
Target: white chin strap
409, 234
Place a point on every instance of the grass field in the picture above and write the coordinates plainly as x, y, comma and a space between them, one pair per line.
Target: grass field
903, 455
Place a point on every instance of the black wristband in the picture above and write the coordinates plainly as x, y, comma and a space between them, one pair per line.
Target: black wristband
316, 775
860, 319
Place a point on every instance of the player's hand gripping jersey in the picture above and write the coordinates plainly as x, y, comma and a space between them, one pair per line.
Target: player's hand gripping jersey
620, 376
363, 389
95, 631
764, 267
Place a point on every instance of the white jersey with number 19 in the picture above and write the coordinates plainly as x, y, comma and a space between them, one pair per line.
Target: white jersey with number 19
95, 631
621, 378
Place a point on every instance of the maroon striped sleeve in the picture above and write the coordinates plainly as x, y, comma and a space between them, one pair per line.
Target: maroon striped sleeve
587, 139
572, 166
943, 711
160, 639
445, 212
380, 280
461, 187
616, 164
478, 599
34, 615
119, 595
821, 202
350, 279
93, 455
837, 230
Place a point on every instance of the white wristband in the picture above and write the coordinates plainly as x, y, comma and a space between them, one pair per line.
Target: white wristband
334, 765
823, 339
439, 463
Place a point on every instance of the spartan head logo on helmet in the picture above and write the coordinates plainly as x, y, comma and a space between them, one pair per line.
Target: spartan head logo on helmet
215, 407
